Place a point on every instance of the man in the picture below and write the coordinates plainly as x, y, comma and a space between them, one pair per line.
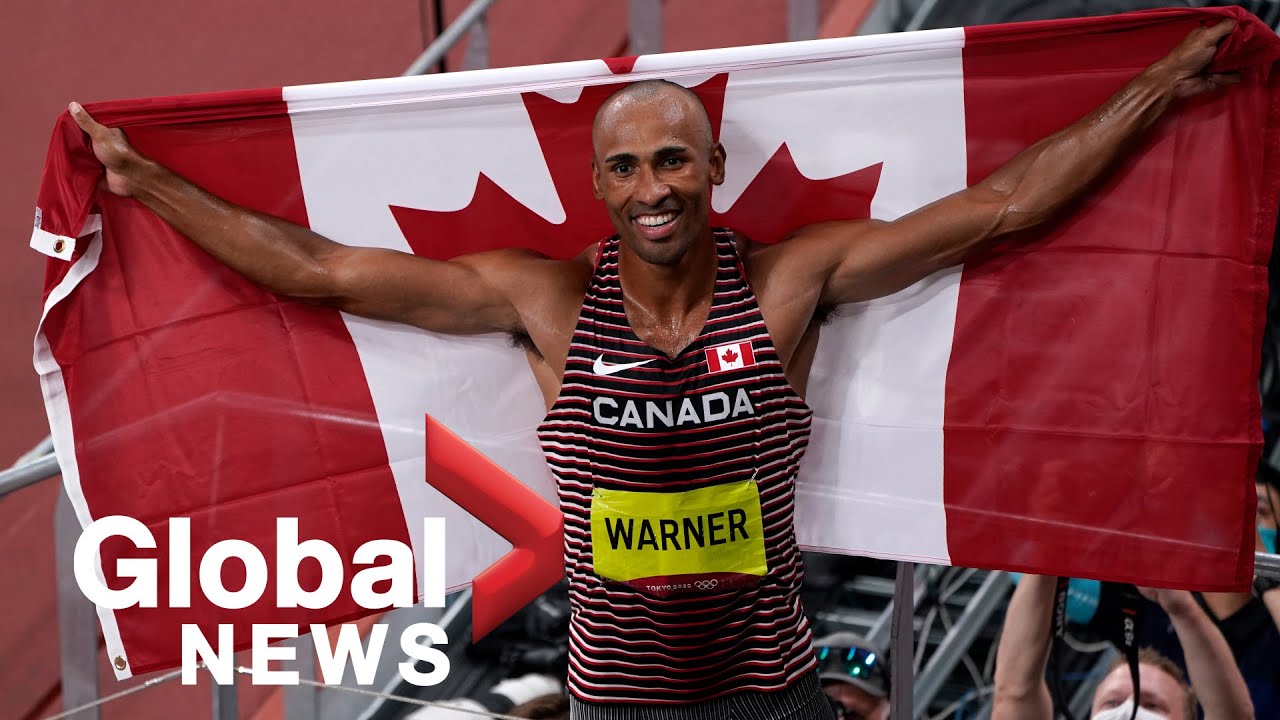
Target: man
673, 359
1165, 692
1250, 622
854, 676
1247, 621
1023, 653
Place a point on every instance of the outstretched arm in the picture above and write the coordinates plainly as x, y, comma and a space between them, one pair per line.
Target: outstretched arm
1267, 512
1271, 600
1210, 665
1023, 653
861, 260
465, 295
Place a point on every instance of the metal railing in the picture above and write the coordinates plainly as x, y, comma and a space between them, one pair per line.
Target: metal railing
946, 657
27, 473
472, 16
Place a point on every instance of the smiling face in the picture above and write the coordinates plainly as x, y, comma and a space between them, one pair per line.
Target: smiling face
654, 165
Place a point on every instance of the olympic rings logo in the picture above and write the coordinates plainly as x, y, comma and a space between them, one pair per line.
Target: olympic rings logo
706, 584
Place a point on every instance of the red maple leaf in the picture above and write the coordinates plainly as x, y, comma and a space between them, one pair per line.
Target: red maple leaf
729, 355
778, 200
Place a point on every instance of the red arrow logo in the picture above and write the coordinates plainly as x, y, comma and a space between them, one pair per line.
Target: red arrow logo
533, 526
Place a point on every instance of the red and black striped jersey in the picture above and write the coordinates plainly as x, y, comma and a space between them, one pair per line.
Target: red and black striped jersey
676, 477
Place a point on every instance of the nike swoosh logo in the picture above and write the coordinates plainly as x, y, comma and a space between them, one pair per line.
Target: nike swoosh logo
601, 368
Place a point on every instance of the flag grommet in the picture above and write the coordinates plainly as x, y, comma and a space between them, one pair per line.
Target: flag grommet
120, 663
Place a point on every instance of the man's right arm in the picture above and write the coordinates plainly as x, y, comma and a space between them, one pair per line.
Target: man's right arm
1023, 653
1212, 669
461, 296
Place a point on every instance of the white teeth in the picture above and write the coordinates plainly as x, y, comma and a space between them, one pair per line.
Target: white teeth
655, 220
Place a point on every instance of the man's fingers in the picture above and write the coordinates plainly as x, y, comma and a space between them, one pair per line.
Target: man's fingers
84, 119
1215, 33
1199, 84
1217, 81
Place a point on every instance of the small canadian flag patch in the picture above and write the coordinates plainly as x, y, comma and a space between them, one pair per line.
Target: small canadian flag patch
730, 357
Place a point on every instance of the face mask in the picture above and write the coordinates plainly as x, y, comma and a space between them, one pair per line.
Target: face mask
1125, 711
1268, 539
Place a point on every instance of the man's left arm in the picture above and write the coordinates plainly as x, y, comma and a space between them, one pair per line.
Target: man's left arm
1271, 600
1212, 669
1267, 592
862, 260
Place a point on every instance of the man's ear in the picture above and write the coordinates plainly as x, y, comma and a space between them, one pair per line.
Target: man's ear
595, 180
717, 164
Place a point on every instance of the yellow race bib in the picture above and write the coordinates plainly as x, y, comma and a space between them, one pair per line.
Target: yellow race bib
705, 540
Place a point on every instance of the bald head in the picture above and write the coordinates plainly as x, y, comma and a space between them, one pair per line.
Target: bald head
653, 100
654, 163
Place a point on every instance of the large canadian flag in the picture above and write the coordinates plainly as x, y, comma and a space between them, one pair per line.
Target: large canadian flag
1082, 402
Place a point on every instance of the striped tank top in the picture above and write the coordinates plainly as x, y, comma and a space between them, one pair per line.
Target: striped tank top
677, 482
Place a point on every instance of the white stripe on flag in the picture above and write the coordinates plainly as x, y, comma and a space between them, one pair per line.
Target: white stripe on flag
61, 430
873, 476
429, 157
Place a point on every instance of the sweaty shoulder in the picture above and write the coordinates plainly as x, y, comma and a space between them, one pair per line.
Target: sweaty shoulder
571, 276
547, 295
795, 268
528, 276
788, 279
807, 249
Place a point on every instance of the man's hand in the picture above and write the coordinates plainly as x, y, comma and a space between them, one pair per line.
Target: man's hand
468, 295
112, 149
862, 260
1174, 602
1212, 669
1183, 68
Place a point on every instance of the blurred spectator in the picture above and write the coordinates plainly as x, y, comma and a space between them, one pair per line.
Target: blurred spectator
547, 707
1265, 589
1162, 680
1248, 621
854, 676
502, 698
1268, 486
1023, 653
